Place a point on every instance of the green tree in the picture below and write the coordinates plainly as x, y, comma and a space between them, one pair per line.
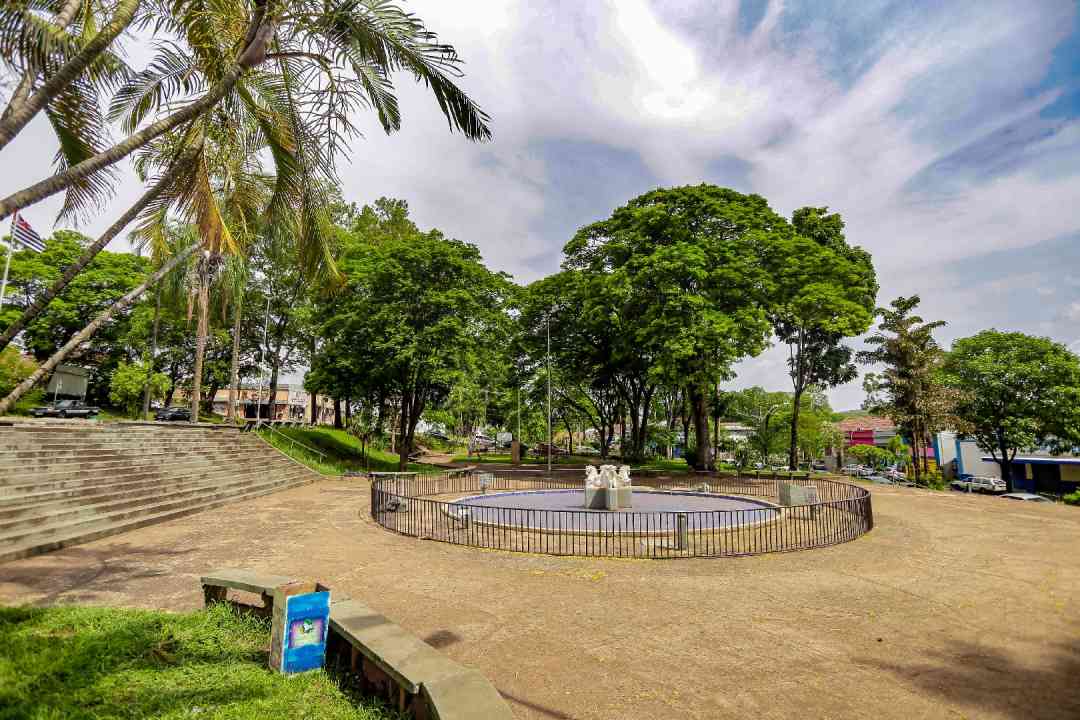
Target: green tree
414, 314
678, 277
130, 382
1016, 392
904, 344
14, 368
825, 292
765, 413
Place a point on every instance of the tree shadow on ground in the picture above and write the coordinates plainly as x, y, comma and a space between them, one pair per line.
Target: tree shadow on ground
990, 681
82, 570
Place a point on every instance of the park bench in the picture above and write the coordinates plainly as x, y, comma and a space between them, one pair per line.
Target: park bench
386, 658
216, 586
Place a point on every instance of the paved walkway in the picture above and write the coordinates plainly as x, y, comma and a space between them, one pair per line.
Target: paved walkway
953, 607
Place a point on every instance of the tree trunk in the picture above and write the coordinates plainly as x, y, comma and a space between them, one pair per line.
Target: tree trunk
1005, 462
272, 398
153, 355
87, 256
234, 369
201, 333
259, 33
337, 413
80, 337
24, 112
348, 412
793, 451
403, 423
699, 405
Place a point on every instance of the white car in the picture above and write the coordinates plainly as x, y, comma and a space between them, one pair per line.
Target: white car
976, 483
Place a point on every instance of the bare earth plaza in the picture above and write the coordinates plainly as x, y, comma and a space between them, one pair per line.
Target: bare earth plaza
496, 359
889, 625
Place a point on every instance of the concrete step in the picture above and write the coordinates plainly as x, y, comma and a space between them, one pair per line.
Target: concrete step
8, 445
57, 537
29, 473
76, 444
154, 506
31, 518
95, 489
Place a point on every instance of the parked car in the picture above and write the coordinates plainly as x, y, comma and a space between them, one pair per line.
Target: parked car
896, 475
1026, 497
819, 467
174, 413
977, 483
66, 409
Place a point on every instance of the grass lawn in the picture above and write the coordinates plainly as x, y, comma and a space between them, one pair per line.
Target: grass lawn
342, 451
80, 662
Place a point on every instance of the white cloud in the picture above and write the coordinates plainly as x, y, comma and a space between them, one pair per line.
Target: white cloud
816, 116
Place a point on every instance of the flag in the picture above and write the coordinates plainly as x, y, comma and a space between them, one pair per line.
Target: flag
22, 233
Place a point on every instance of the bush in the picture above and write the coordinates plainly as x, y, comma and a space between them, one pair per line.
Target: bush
129, 383
1072, 498
14, 368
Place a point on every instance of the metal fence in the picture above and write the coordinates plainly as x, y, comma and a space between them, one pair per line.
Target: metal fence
404, 504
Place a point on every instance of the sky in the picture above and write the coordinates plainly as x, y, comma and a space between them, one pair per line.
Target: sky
946, 133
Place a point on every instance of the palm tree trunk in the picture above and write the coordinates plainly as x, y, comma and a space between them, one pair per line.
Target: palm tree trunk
26, 84
153, 356
24, 112
80, 337
260, 32
234, 372
201, 333
92, 251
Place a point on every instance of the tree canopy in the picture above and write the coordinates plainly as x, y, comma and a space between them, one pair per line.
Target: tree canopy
1016, 392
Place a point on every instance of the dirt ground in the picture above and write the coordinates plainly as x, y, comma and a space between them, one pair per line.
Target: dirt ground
953, 607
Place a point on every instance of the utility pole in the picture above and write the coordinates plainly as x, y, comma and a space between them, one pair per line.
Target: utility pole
549, 388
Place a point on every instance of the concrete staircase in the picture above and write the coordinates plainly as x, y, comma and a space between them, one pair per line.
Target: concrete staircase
69, 482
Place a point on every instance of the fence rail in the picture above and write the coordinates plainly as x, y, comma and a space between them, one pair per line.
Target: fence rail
409, 505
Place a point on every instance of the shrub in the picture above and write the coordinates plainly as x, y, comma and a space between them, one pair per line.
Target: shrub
129, 383
1072, 498
14, 368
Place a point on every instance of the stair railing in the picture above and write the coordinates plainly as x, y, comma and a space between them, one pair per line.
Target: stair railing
292, 441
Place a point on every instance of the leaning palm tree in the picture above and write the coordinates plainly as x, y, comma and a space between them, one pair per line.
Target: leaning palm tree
308, 60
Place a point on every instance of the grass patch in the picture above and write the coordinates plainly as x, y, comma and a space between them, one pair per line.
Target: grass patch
342, 451
82, 662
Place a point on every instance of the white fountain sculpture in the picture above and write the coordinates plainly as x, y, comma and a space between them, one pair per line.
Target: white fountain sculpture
608, 489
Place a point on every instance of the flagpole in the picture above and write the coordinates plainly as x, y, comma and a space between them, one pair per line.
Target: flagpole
7, 263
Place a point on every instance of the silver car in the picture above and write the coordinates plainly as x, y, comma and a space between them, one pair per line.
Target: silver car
976, 483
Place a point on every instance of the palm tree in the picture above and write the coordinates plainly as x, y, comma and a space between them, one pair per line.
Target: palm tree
904, 343
324, 62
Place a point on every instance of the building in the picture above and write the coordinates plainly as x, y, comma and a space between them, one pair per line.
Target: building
1036, 471
291, 402
866, 430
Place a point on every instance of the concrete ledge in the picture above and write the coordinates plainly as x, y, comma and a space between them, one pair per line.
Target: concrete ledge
465, 696
243, 580
436, 686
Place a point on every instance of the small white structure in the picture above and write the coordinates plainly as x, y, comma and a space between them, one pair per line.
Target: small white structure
608, 489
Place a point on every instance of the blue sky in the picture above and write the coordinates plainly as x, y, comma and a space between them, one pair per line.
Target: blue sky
946, 133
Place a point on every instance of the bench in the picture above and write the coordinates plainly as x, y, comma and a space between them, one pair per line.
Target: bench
387, 658
216, 586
